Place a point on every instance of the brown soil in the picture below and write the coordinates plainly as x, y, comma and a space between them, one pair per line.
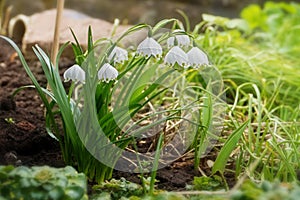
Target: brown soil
23, 138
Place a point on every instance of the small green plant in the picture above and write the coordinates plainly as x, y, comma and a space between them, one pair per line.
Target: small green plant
42, 183
10, 120
117, 189
207, 183
267, 191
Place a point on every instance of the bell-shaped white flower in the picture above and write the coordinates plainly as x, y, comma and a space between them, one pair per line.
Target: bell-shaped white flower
149, 47
107, 73
118, 54
74, 73
197, 57
176, 55
182, 41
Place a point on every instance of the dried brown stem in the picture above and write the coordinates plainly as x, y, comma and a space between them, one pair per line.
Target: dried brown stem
55, 45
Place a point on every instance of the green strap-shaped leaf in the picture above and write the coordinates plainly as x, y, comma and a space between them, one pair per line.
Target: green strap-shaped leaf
228, 147
161, 24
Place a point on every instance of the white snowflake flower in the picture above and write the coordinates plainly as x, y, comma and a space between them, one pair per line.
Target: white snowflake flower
119, 55
74, 73
182, 41
149, 47
197, 57
107, 73
176, 55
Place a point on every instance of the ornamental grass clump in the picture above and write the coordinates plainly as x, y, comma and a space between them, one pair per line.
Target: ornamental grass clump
117, 98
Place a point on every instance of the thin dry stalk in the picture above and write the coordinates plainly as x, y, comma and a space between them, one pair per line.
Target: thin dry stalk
55, 45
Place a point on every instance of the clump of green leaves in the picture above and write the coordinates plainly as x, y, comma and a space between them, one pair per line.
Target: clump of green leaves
117, 189
207, 183
159, 196
267, 191
42, 183
123, 189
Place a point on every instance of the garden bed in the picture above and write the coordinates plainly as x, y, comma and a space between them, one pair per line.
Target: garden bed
259, 133
23, 137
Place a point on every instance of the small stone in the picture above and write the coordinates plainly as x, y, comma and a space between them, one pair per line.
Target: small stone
18, 163
210, 163
26, 126
3, 65
10, 158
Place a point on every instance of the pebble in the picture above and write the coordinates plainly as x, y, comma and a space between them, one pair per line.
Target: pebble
3, 65
11, 158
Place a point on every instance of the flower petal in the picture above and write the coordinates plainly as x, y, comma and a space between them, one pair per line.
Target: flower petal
176, 55
74, 73
149, 47
118, 54
182, 40
197, 57
107, 73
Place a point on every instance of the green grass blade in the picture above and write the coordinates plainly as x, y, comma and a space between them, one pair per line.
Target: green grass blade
90, 40
186, 20
229, 146
161, 24
78, 47
132, 30
156, 163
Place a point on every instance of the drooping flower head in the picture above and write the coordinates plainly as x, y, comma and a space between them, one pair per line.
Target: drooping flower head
107, 73
176, 55
181, 40
74, 73
149, 47
118, 54
197, 57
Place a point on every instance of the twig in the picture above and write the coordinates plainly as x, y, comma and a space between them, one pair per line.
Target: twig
6, 19
55, 45
201, 171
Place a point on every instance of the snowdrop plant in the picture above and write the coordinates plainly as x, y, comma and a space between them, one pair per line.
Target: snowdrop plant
182, 40
177, 55
75, 73
194, 57
197, 58
107, 73
149, 47
118, 55
116, 87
